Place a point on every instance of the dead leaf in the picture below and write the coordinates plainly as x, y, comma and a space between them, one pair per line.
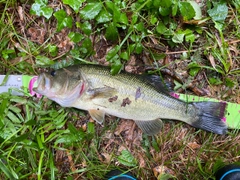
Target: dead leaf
70, 159
234, 49
20, 12
36, 35
141, 160
100, 47
212, 61
84, 127
193, 145
106, 158
124, 125
159, 170
181, 135
131, 65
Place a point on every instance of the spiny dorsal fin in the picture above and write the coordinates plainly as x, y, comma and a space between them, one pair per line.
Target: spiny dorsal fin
157, 82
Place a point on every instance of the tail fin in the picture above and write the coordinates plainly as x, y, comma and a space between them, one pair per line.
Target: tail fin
211, 117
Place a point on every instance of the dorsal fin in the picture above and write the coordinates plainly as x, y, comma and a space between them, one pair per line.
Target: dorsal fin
157, 82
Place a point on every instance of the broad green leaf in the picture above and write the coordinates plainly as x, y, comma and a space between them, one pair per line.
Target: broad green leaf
127, 159
63, 20
131, 48
134, 18
158, 56
153, 19
138, 48
166, 3
40, 8
190, 38
60, 120
75, 37
21, 137
164, 176
156, 3
90, 128
178, 38
116, 66
219, 26
135, 38
113, 57
63, 63
164, 11
87, 47
74, 4
13, 117
112, 53
161, 28
86, 27
123, 18
177, 85
114, 10
124, 55
179, 35
194, 71
53, 50
111, 32
235, 71
187, 11
219, 12
174, 9
8, 53
110, 6
6, 170
230, 83
47, 12
139, 26
72, 129
215, 81
67, 139
103, 16
36, 7
197, 9
43, 61
18, 99
14, 109
91, 10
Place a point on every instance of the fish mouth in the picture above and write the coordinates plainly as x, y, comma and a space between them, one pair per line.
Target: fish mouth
43, 84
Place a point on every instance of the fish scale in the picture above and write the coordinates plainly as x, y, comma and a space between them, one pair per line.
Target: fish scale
145, 108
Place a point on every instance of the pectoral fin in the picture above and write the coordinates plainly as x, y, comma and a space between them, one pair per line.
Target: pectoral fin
101, 92
150, 127
97, 115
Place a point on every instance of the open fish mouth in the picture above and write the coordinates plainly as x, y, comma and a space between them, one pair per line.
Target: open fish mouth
44, 84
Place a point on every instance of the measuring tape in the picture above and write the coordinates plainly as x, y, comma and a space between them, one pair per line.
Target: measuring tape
232, 114
23, 85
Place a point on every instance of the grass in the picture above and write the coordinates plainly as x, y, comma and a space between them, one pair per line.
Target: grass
41, 140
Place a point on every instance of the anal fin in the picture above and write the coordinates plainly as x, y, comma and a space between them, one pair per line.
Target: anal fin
150, 127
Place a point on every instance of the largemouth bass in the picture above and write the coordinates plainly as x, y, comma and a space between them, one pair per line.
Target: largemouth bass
142, 99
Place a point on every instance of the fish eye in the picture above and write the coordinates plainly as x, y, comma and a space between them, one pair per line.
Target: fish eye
53, 73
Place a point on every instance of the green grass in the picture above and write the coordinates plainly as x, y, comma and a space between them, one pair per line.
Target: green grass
41, 140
